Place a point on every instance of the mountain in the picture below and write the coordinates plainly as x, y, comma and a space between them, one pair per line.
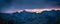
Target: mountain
46, 17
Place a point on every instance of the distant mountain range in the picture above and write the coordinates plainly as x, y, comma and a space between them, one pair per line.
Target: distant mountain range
29, 10
45, 17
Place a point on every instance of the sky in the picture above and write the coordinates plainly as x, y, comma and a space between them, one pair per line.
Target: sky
27, 4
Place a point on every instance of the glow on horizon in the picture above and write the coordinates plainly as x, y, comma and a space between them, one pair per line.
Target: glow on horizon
33, 10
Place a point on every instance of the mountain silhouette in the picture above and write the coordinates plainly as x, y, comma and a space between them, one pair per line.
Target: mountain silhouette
24, 17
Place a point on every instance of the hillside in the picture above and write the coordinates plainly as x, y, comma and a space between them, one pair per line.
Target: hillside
46, 17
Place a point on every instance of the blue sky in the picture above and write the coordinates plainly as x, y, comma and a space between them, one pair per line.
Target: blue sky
30, 4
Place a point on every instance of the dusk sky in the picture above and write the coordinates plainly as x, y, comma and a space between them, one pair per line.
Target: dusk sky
27, 4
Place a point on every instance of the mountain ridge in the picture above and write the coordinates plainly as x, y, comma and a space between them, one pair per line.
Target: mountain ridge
28, 17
